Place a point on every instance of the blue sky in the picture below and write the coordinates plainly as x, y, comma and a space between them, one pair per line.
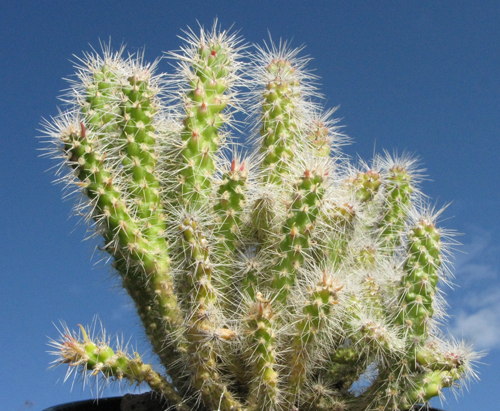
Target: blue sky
421, 76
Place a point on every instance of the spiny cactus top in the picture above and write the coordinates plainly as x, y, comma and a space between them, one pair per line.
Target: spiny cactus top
282, 279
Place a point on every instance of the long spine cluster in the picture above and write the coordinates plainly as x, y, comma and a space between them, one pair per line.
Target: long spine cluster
282, 280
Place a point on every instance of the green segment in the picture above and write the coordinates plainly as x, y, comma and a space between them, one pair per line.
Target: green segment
322, 299
259, 324
198, 281
204, 105
137, 113
139, 164
101, 103
231, 200
421, 277
230, 205
279, 126
398, 190
297, 230
102, 359
202, 313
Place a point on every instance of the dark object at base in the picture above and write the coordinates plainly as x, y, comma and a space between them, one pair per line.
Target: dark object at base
129, 402
143, 402
425, 407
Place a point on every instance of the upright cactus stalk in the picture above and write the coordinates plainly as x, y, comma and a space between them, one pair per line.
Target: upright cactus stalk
285, 279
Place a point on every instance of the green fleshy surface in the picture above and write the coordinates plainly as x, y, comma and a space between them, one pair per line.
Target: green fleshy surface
279, 126
205, 103
399, 188
303, 212
421, 278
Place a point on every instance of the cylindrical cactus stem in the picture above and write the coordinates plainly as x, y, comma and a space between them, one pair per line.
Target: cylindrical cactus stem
202, 320
305, 205
169, 350
210, 67
316, 319
99, 359
280, 111
437, 355
421, 276
260, 327
96, 93
139, 160
399, 185
140, 148
443, 363
229, 207
279, 104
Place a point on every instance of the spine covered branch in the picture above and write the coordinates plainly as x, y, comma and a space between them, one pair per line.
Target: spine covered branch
282, 279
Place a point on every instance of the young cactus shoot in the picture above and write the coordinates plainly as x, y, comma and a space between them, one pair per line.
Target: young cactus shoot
281, 278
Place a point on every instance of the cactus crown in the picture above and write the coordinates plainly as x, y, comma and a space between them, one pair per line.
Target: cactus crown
278, 280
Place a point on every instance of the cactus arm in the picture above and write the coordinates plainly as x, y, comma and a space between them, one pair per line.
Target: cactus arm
399, 185
202, 319
316, 320
210, 66
279, 123
111, 209
139, 159
420, 279
280, 91
99, 359
430, 384
260, 326
229, 208
294, 248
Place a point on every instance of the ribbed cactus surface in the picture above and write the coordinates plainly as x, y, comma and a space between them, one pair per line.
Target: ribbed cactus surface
283, 277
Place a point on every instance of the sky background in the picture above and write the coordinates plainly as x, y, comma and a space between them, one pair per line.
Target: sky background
421, 76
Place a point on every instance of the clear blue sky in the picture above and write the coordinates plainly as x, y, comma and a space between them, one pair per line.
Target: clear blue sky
416, 75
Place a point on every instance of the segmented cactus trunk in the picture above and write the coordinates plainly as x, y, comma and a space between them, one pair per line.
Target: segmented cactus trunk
285, 279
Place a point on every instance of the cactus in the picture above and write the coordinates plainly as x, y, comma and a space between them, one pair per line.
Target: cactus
282, 279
